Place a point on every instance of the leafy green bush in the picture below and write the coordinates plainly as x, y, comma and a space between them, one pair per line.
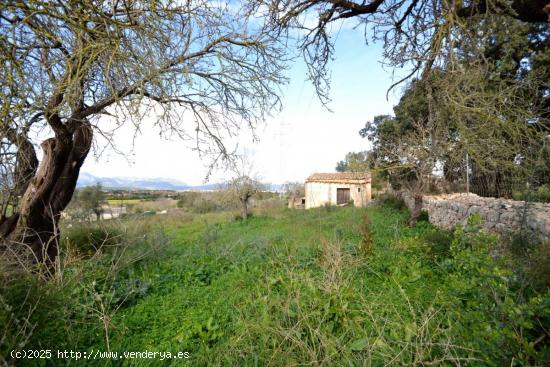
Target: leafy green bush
237, 217
504, 325
522, 241
529, 256
328, 207
541, 194
535, 268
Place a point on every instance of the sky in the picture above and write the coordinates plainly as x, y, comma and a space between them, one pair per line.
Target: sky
302, 139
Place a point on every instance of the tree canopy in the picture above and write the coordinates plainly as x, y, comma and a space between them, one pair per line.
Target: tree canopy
355, 162
202, 69
90, 199
416, 34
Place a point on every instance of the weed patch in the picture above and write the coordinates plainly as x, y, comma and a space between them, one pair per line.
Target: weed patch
328, 287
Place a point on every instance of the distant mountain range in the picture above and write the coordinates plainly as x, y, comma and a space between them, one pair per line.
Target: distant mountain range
136, 183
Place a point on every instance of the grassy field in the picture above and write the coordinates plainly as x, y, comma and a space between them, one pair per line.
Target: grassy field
123, 201
324, 287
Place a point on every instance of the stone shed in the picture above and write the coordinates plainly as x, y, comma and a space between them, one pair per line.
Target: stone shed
338, 189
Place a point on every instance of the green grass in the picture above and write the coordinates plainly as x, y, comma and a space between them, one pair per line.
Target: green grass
123, 201
297, 288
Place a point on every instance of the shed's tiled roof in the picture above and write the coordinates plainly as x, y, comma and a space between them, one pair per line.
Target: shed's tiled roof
340, 177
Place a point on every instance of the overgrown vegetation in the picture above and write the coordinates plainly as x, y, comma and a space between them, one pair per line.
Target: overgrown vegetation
330, 286
344, 286
477, 115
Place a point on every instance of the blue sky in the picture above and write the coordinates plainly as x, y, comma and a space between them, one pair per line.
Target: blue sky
303, 138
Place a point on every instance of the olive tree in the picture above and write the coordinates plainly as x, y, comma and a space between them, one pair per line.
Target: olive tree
201, 69
90, 199
243, 185
242, 188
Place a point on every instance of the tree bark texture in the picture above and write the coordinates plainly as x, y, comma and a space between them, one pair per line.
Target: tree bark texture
417, 210
48, 193
530, 11
244, 209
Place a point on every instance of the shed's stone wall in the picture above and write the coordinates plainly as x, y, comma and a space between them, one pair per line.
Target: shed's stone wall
321, 193
499, 215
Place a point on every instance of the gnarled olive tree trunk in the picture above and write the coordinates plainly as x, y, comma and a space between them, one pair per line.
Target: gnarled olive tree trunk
35, 222
416, 188
69, 61
244, 208
417, 210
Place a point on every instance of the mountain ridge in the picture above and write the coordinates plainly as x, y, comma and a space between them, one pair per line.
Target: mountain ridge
140, 183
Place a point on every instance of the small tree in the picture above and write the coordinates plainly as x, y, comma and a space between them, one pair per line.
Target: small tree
90, 200
244, 185
242, 189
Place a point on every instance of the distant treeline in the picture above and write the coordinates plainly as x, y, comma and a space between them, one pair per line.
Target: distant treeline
185, 198
139, 195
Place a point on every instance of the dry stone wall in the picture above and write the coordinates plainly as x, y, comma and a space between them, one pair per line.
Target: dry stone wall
499, 215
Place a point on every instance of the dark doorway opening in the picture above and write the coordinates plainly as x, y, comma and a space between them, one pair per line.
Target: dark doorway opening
342, 196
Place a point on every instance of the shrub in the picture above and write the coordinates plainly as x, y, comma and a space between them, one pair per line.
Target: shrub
202, 206
522, 241
186, 199
366, 236
541, 194
237, 217
89, 239
328, 207
210, 235
439, 244
491, 315
537, 268
530, 259
392, 201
